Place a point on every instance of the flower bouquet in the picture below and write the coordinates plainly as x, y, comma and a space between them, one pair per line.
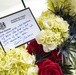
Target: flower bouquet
55, 46
53, 50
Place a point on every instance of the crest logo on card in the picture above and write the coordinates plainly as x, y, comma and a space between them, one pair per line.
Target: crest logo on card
2, 25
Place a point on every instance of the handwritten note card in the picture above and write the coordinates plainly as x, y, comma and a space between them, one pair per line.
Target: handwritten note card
18, 28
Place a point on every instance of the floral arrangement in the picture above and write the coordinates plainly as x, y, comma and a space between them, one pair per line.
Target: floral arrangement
53, 50
55, 46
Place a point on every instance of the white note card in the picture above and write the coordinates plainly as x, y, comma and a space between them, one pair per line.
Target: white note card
18, 28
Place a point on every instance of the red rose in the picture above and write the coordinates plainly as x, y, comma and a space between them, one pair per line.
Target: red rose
38, 48
55, 56
33, 45
47, 67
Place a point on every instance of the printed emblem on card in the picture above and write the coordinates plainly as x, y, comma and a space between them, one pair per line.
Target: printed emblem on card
2, 25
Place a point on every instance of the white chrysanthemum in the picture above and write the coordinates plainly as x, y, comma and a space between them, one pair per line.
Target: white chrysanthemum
54, 31
47, 39
17, 62
49, 47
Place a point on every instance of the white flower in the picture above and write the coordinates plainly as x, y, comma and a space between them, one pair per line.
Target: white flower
33, 71
48, 39
50, 47
30, 59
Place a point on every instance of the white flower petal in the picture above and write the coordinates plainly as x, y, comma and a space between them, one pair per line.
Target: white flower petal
48, 48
